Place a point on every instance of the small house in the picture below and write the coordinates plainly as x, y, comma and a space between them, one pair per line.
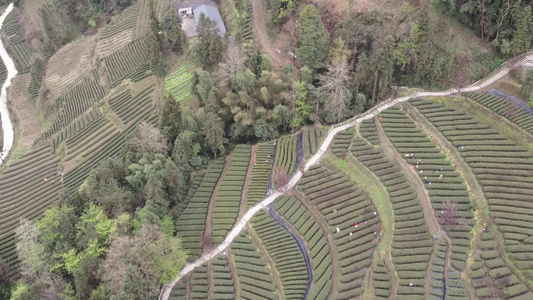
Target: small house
190, 12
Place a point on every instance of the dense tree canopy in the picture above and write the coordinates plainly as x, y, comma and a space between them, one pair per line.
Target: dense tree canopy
210, 46
313, 39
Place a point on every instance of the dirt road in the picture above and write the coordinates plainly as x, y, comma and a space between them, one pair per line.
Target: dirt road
261, 33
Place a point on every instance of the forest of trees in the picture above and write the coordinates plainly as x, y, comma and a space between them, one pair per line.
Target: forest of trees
114, 238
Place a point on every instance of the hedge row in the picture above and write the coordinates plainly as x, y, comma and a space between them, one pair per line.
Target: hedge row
76, 101
503, 170
230, 193
341, 143
259, 184
252, 272
380, 281
18, 48
223, 283
343, 206
109, 148
286, 153
311, 140
410, 234
179, 84
25, 194
507, 109
491, 276
294, 212
435, 170
190, 224
127, 107
199, 283
284, 251
126, 20
368, 130
93, 122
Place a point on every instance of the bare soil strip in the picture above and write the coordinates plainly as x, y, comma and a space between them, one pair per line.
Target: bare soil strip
423, 196
233, 271
276, 278
210, 281
331, 244
260, 31
427, 283
247, 181
207, 240
393, 276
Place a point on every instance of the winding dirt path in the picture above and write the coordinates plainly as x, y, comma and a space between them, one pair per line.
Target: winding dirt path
261, 32
207, 238
451, 152
276, 277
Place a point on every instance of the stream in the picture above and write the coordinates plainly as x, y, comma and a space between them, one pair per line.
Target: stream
512, 99
7, 126
301, 244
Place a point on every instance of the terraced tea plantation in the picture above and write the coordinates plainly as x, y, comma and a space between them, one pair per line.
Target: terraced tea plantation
423, 201
89, 121
326, 239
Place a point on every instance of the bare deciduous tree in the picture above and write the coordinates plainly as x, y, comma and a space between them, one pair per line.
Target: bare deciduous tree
233, 61
448, 217
30, 251
148, 140
335, 87
281, 178
112, 270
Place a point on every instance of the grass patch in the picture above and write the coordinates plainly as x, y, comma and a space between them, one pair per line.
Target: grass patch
374, 190
15, 154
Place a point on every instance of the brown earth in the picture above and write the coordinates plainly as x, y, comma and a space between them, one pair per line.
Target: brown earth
69, 64
233, 271
276, 278
261, 32
31, 23
247, 181
207, 240
21, 102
